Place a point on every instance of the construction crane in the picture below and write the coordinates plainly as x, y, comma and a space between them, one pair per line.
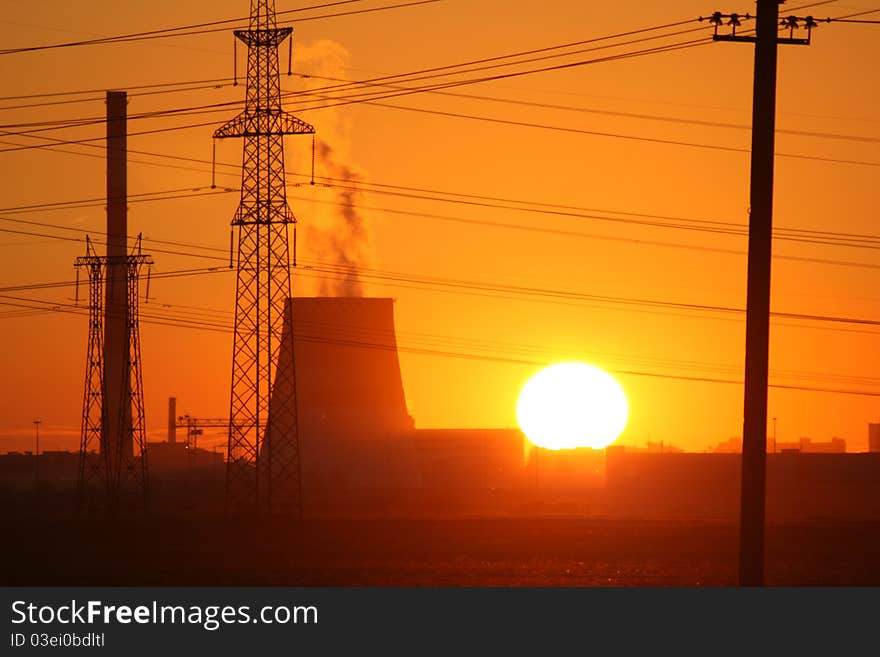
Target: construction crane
195, 427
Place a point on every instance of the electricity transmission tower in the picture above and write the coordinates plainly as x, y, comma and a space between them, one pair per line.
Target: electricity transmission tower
263, 468
113, 455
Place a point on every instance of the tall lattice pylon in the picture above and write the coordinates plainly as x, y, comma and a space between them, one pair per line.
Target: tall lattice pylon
113, 473
92, 484
263, 468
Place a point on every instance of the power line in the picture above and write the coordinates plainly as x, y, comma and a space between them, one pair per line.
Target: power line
82, 92
429, 73
223, 328
349, 83
189, 30
783, 233
852, 240
518, 54
400, 76
528, 292
407, 91
386, 336
586, 110
435, 71
101, 98
640, 138
335, 331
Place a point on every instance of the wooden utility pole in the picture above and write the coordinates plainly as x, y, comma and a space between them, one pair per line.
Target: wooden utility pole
754, 451
754, 456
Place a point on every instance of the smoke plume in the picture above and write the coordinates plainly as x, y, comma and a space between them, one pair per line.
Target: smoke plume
345, 242
335, 231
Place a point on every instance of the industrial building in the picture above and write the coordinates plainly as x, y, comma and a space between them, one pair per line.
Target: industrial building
874, 437
800, 485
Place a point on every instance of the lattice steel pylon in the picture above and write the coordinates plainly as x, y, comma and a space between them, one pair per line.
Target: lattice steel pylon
263, 467
113, 474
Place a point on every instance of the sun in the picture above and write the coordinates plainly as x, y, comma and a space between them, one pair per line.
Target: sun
570, 405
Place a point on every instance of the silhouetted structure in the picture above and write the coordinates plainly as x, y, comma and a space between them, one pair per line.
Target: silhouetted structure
806, 445
754, 456
579, 469
172, 419
687, 486
809, 446
16, 468
874, 437
195, 427
471, 459
258, 479
113, 460
354, 429
113, 466
117, 329
178, 458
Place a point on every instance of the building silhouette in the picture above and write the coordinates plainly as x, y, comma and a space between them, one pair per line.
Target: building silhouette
874, 437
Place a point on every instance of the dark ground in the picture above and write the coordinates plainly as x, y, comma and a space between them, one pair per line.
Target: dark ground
425, 552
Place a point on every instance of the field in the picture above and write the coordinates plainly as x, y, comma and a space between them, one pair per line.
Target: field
212, 551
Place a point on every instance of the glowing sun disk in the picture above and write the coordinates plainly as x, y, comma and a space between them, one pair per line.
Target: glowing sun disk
570, 405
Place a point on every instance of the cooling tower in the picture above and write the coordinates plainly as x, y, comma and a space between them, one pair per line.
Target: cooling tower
354, 428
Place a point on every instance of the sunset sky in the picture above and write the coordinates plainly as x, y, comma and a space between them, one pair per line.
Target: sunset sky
540, 217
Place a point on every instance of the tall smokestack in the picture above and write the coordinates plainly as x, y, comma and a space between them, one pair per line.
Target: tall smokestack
117, 404
172, 420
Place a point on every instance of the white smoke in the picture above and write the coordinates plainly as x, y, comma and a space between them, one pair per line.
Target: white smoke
335, 231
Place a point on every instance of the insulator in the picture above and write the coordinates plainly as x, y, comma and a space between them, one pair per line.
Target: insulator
313, 159
235, 62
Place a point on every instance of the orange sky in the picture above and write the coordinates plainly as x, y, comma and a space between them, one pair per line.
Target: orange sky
829, 87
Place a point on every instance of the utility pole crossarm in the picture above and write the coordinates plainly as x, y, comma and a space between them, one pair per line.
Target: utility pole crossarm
791, 23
